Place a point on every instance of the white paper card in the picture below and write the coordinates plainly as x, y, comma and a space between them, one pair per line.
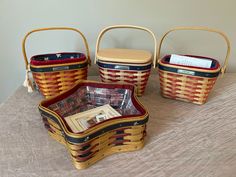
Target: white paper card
84, 120
190, 61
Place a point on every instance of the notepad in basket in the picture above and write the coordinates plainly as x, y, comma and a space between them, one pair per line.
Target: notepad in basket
84, 120
190, 61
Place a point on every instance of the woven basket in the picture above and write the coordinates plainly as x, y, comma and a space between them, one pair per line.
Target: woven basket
186, 83
56, 72
119, 134
125, 65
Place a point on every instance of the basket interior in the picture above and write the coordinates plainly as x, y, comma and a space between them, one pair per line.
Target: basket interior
57, 58
215, 64
91, 95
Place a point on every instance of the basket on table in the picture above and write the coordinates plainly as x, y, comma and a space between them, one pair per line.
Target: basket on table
125, 65
188, 83
118, 134
53, 73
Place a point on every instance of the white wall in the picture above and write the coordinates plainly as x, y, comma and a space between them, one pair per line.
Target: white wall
90, 16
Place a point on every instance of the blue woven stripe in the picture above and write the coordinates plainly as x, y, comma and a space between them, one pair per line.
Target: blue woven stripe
124, 67
97, 133
59, 68
104, 130
195, 73
57, 56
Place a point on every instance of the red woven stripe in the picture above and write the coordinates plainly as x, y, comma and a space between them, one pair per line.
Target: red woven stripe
126, 77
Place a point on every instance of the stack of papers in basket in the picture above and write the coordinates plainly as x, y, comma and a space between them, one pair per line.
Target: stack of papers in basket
190, 61
84, 120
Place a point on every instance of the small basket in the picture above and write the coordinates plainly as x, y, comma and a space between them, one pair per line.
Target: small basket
56, 72
118, 134
125, 65
186, 83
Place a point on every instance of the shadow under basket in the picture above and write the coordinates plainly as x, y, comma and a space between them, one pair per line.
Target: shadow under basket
118, 134
186, 83
55, 73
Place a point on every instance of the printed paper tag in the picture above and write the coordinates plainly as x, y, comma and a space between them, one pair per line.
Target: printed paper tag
84, 120
190, 61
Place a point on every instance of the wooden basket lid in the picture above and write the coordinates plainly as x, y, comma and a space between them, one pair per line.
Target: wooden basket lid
124, 55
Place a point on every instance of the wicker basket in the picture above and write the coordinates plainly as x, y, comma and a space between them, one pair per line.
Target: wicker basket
186, 83
54, 73
125, 65
119, 134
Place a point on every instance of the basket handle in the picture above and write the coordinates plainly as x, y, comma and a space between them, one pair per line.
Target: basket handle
49, 29
200, 29
130, 27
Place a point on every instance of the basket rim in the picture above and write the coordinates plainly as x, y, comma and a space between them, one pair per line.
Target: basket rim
123, 67
193, 68
122, 119
36, 63
58, 67
124, 63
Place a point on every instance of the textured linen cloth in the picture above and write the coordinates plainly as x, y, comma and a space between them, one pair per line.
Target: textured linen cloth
183, 140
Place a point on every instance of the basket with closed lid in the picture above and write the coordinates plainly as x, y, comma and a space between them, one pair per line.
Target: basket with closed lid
124, 65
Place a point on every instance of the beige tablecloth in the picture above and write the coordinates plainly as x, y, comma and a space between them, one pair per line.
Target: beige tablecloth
184, 140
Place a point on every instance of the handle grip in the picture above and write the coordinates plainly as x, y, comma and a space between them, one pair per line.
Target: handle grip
199, 29
49, 29
130, 27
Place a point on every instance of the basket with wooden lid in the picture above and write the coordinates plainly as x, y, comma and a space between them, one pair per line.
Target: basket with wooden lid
125, 65
55, 72
186, 77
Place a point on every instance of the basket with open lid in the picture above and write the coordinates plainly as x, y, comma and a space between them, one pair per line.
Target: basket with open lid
125, 65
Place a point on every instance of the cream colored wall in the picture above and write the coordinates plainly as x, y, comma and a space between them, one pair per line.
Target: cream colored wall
18, 17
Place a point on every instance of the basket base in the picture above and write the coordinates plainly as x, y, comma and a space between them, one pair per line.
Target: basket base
106, 148
107, 152
184, 87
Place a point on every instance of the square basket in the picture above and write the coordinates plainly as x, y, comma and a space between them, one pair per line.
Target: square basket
188, 83
125, 65
119, 134
56, 72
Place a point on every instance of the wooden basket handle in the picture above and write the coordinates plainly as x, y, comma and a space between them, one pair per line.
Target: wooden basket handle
48, 29
125, 26
201, 29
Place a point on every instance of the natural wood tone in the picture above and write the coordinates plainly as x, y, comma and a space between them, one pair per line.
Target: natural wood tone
55, 82
132, 137
139, 78
102, 146
127, 55
124, 55
185, 88
199, 29
188, 88
52, 29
